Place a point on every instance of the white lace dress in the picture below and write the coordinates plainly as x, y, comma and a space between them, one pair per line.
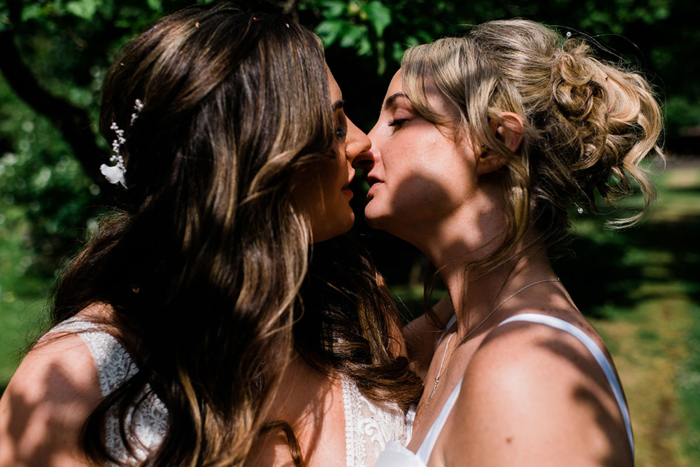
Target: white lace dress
368, 427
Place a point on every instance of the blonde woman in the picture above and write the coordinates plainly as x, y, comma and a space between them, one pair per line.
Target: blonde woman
193, 329
483, 144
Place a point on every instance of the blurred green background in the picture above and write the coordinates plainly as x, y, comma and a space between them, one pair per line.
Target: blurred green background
639, 287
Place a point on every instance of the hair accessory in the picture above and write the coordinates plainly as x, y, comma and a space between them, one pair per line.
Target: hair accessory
256, 19
196, 25
138, 107
115, 173
568, 35
579, 209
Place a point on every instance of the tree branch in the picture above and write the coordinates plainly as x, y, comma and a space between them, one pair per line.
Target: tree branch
73, 122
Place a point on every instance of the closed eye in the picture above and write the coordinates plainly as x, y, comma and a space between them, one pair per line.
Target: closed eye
398, 123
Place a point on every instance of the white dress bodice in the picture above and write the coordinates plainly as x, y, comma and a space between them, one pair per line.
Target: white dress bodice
368, 427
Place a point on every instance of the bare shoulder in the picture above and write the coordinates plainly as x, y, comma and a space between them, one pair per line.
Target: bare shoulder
44, 407
535, 395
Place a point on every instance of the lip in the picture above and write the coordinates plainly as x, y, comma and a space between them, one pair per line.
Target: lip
373, 182
346, 188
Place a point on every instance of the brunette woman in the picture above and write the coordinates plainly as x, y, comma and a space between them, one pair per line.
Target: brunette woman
192, 330
483, 145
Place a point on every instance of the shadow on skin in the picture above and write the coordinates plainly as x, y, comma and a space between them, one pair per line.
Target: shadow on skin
41, 419
610, 423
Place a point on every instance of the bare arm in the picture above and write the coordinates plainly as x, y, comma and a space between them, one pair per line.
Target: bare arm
46, 404
534, 396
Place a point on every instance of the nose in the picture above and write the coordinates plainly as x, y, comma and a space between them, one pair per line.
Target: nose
367, 159
357, 143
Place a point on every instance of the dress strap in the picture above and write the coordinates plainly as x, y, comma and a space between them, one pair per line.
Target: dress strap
597, 354
426, 447
452, 321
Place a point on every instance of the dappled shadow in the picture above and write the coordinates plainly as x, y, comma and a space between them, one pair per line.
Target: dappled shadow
609, 275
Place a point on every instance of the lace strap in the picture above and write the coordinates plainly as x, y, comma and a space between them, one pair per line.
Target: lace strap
113, 362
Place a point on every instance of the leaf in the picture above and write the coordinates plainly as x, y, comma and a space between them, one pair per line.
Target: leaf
155, 5
31, 12
365, 47
379, 16
333, 8
352, 34
329, 30
84, 9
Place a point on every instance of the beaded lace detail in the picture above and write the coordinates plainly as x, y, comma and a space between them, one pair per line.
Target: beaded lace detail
368, 427
148, 423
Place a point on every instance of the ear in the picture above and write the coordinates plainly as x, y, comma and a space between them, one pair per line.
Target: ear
510, 131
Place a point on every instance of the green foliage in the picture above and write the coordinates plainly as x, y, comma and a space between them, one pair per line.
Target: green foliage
68, 45
40, 176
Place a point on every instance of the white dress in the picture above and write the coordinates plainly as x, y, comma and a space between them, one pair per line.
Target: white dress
368, 427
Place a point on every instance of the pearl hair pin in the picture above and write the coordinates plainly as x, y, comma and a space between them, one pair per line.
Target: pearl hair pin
115, 173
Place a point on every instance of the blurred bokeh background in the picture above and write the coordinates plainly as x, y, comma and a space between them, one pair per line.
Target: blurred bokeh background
640, 287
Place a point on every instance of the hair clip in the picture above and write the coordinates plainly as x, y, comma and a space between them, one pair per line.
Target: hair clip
568, 34
115, 173
579, 209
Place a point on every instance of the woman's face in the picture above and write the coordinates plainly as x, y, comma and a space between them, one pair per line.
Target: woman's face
421, 173
325, 195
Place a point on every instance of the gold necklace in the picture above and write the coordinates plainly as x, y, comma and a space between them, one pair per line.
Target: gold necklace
439, 375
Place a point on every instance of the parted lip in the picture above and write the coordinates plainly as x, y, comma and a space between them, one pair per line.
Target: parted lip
372, 179
350, 178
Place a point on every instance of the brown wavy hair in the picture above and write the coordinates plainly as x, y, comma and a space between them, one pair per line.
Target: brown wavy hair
204, 260
588, 124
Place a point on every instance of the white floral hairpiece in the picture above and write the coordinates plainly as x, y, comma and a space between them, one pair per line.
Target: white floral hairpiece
115, 173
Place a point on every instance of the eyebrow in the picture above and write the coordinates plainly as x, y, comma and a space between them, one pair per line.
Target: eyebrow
337, 105
390, 101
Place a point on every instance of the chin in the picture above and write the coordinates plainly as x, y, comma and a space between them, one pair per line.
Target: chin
334, 228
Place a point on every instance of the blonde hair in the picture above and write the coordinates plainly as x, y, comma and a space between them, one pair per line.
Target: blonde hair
587, 124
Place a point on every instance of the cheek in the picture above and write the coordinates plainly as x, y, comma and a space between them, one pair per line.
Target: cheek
424, 181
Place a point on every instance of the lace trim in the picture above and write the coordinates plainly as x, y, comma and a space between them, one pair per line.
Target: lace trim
147, 424
368, 427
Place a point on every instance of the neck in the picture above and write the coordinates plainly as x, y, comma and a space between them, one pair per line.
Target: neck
475, 293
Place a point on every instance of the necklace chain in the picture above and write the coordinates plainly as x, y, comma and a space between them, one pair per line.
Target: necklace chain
439, 374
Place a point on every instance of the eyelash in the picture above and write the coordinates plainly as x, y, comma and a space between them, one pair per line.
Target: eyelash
398, 123
341, 132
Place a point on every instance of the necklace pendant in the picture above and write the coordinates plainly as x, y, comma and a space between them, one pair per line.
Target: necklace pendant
435, 385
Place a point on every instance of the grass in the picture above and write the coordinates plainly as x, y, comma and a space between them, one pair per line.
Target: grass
639, 287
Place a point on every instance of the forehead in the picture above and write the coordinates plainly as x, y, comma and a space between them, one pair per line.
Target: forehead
428, 94
335, 91
395, 85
